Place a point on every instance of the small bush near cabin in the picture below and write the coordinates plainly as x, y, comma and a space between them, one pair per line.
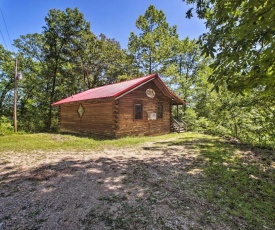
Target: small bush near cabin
5, 126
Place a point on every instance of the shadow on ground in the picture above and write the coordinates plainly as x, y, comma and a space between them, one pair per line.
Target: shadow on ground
182, 184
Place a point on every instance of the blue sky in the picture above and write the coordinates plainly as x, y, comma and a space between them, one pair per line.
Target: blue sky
114, 18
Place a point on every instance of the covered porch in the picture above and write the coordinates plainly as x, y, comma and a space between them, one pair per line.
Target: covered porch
177, 124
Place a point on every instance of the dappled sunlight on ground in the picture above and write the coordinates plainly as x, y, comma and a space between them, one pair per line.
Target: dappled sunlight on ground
195, 171
186, 182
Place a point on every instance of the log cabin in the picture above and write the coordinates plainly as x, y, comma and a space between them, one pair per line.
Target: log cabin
138, 107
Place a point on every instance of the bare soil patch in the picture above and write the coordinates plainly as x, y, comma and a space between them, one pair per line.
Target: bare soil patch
151, 186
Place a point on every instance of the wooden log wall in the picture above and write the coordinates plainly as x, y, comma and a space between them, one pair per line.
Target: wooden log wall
127, 125
98, 117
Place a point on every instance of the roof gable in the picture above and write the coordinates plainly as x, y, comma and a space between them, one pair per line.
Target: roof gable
118, 90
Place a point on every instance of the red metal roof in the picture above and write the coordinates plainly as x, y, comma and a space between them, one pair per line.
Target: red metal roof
113, 90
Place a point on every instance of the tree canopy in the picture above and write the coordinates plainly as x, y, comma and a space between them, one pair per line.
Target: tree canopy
155, 41
241, 35
65, 59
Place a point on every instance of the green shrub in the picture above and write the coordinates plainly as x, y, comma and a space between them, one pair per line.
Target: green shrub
5, 126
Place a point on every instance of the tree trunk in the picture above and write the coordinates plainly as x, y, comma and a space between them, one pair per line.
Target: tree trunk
49, 121
150, 63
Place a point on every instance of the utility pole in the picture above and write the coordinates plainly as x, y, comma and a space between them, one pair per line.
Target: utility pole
15, 95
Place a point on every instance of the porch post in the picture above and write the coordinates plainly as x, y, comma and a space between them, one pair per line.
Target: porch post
177, 111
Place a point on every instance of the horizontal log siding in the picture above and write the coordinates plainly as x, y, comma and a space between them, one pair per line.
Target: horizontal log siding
126, 125
98, 117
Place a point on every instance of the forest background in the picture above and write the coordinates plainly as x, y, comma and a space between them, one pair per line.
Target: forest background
226, 75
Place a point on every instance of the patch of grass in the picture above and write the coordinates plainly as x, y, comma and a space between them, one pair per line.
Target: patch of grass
133, 217
34, 212
125, 217
240, 182
59, 142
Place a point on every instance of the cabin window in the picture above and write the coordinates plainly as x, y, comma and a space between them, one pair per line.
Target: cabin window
160, 111
138, 111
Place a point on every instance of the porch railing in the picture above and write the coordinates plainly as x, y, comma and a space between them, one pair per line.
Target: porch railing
179, 125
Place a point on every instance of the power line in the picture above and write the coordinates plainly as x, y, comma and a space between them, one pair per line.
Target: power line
3, 39
6, 29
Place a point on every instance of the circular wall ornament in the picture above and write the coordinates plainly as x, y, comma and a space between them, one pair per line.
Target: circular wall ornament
150, 93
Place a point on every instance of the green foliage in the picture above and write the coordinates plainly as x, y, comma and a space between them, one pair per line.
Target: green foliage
6, 80
153, 45
62, 34
248, 117
241, 38
5, 126
99, 61
65, 59
252, 124
186, 69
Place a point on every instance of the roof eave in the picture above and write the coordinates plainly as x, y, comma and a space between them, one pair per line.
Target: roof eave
81, 101
175, 99
132, 89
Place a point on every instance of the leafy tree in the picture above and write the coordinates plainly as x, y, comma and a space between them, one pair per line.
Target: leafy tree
244, 117
155, 41
62, 33
65, 59
28, 89
241, 35
34, 97
50, 51
100, 61
240, 39
184, 68
6, 78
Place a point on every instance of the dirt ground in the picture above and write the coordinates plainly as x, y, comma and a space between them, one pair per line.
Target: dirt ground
145, 187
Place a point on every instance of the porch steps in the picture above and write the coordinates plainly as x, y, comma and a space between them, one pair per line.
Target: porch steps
178, 126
